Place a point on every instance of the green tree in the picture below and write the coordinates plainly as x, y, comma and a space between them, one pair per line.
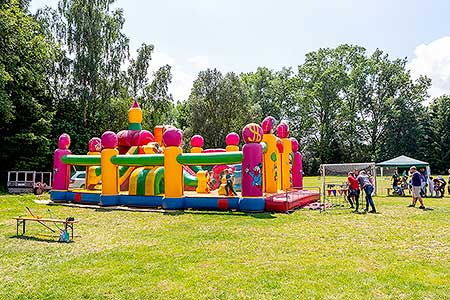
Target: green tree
93, 35
158, 105
138, 71
359, 105
88, 81
275, 93
25, 100
295, 112
322, 79
261, 90
437, 137
408, 123
386, 94
93, 89
218, 105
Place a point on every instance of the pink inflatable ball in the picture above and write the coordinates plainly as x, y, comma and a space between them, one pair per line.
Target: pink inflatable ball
172, 137
268, 124
109, 140
64, 141
252, 133
197, 141
294, 144
142, 137
283, 130
95, 145
124, 137
232, 139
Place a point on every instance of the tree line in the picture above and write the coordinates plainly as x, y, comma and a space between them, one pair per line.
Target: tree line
69, 70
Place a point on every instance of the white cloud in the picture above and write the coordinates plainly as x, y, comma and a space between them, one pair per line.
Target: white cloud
181, 84
182, 81
433, 60
200, 62
160, 59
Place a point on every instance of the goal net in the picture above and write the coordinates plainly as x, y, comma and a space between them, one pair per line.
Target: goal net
335, 184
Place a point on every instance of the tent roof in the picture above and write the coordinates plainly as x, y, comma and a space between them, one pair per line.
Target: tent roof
402, 161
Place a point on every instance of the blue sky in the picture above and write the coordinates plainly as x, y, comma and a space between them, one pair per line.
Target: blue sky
241, 35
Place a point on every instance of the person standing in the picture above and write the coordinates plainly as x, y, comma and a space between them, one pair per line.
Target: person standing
416, 183
353, 192
423, 192
430, 185
366, 184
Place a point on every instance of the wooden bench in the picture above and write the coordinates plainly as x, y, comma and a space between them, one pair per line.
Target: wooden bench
21, 221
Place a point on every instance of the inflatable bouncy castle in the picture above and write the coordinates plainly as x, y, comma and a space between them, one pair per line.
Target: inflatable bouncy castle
137, 168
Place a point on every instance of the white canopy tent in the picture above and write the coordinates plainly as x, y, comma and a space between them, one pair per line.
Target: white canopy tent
403, 161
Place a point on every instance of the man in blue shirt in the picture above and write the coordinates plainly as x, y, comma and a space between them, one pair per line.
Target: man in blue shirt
366, 185
416, 183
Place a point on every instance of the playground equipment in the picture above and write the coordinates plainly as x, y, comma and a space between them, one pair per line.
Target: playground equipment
137, 168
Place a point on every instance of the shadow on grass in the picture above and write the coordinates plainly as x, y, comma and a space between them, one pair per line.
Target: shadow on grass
130, 209
262, 215
38, 239
111, 210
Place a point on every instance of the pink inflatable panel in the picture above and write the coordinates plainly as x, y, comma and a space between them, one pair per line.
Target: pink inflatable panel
283, 202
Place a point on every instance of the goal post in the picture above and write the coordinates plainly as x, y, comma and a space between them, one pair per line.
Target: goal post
334, 177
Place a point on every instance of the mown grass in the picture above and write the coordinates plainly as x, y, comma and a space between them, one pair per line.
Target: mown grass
402, 253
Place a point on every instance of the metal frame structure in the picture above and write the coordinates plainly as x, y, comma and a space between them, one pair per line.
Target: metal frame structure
323, 175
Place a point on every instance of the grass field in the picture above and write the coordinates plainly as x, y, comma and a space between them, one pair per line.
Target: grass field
401, 253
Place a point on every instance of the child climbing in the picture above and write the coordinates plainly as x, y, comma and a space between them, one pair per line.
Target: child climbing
229, 189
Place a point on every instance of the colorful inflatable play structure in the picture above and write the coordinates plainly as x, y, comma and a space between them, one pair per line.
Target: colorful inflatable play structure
137, 168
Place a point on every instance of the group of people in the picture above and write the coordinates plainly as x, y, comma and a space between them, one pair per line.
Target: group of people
436, 186
360, 181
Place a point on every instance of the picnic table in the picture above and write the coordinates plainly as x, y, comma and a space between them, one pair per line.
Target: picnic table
21, 221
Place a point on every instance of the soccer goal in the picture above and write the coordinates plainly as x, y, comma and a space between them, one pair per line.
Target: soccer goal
334, 181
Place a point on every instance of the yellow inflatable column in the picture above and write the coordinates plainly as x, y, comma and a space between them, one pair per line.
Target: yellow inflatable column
173, 171
135, 117
110, 172
283, 133
270, 158
279, 164
223, 183
202, 187
197, 143
232, 141
287, 163
92, 179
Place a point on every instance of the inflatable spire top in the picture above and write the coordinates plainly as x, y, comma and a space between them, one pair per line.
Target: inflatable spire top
135, 117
